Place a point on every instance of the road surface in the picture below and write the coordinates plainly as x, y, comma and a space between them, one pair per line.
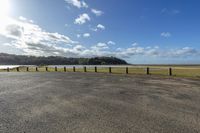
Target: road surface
98, 103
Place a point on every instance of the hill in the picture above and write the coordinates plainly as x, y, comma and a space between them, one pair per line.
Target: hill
11, 59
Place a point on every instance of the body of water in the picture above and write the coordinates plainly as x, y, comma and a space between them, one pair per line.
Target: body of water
88, 66
102, 66
8, 66
62, 66
13, 66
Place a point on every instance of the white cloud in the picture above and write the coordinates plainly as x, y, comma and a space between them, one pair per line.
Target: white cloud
25, 19
182, 52
78, 48
119, 49
96, 12
86, 35
100, 46
111, 43
99, 27
78, 35
155, 51
31, 39
82, 19
165, 34
84, 4
77, 3
22, 18
135, 44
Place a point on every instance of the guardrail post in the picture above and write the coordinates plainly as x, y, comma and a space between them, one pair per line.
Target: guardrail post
46, 69
17, 69
65, 69
56, 69
126, 70
8, 69
170, 71
148, 71
95, 69
74, 69
85, 69
110, 70
27, 69
36, 69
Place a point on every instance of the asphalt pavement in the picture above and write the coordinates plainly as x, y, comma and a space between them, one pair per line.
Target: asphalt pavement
98, 103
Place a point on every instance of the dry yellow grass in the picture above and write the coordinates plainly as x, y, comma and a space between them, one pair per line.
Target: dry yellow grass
182, 71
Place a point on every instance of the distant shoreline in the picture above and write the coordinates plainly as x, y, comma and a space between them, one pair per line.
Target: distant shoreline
7, 59
105, 66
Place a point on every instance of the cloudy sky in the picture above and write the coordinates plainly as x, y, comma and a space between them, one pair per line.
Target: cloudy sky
139, 31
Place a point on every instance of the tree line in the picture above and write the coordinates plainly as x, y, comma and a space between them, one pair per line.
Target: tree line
11, 59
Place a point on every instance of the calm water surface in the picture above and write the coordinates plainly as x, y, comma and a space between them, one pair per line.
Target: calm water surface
67, 66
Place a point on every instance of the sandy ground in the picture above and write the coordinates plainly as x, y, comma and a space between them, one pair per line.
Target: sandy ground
97, 103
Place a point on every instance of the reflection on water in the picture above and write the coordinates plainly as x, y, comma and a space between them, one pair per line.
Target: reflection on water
62, 66
13, 66
8, 66
89, 66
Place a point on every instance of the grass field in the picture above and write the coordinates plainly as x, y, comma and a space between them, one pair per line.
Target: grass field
180, 71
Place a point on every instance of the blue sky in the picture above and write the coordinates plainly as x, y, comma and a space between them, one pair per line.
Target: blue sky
139, 31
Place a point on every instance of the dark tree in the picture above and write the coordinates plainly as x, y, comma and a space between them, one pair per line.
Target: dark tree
10, 59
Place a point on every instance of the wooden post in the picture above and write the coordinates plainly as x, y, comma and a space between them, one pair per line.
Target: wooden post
85, 69
74, 69
27, 69
95, 69
110, 71
17, 69
56, 69
170, 71
8, 69
36, 69
148, 71
46, 69
65, 69
126, 70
